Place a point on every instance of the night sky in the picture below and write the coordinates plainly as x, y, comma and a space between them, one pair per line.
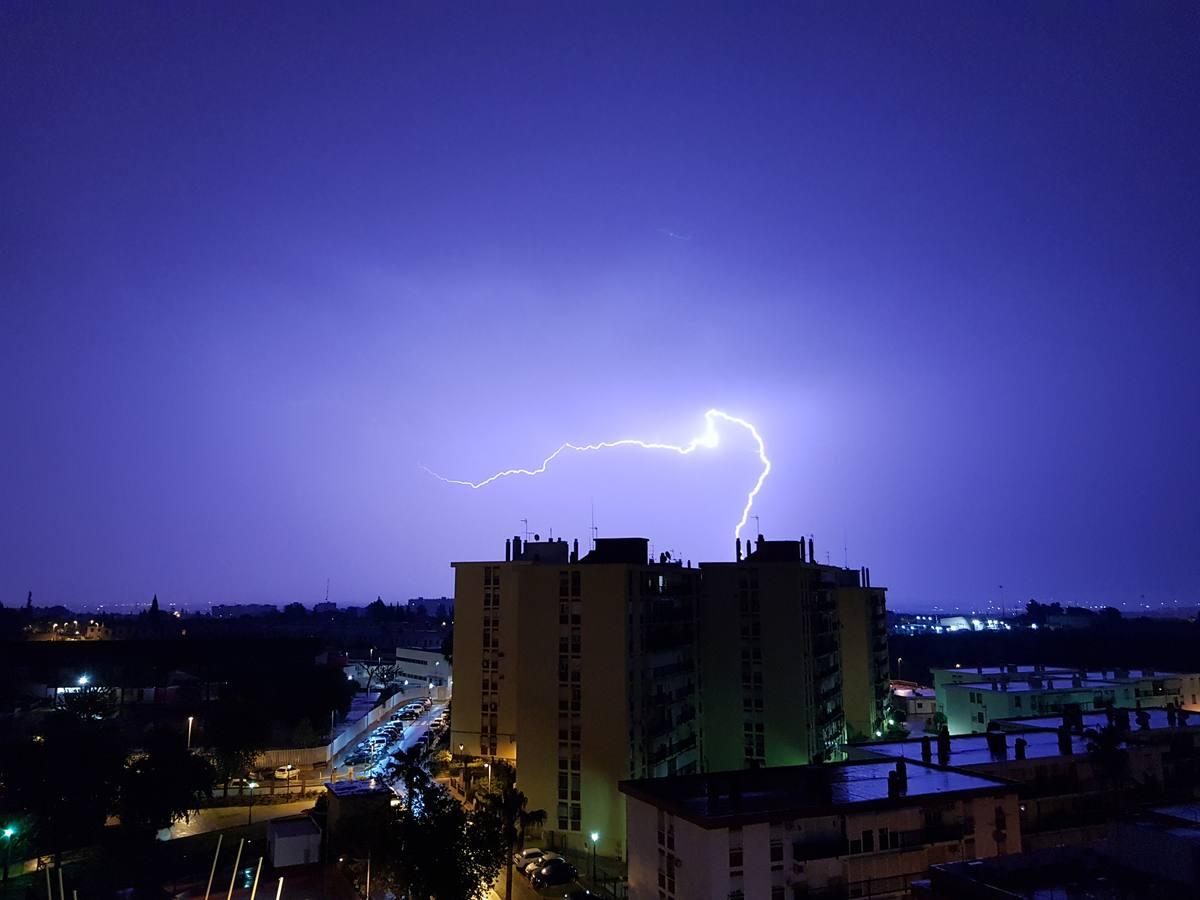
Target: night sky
258, 265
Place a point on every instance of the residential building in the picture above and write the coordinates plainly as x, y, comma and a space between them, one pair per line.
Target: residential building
971, 698
917, 703
853, 829
427, 667
579, 671
1071, 790
791, 651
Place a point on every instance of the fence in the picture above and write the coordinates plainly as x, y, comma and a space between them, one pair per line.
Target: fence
321, 757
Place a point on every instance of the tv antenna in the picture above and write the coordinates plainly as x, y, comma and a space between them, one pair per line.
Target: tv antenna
525, 522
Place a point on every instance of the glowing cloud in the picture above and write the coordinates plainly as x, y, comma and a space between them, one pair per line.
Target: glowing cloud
708, 439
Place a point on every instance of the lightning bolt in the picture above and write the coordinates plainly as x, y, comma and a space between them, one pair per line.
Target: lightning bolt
708, 439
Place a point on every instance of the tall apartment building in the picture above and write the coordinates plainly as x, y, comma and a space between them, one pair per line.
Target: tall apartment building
793, 654
579, 671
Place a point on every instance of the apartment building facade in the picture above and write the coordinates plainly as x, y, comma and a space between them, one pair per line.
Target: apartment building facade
580, 672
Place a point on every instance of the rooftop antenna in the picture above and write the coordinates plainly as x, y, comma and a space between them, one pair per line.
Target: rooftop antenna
845, 551
757, 525
525, 522
326, 590
594, 531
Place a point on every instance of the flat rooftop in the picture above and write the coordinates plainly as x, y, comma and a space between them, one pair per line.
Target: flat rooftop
1018, 687
972, 749
357, 788
1158, 719
721, 799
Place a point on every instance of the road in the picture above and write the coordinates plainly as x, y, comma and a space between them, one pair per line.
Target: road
412, 734
217, 817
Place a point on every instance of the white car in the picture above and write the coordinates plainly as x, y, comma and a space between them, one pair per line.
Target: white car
286, 773
536, 865
523, 858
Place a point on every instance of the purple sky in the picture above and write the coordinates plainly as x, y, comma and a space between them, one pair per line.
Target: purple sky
256, 266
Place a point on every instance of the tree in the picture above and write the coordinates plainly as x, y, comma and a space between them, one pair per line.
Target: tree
295, 611
90, 702
63, 779
380, 673
154, 607
163, 784
509, 806
1106, 748
433, 850
409, 767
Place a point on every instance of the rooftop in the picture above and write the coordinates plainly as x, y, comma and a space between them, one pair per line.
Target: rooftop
973, 750
357, 788
1048, 684
721, 799
1158, 720
294, 826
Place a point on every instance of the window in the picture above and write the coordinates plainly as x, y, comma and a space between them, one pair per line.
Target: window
979, 718
776, 851
883, 839
868, 841
777, 892
1017, 701
735, 857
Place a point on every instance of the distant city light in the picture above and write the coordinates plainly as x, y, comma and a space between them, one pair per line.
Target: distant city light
84, 679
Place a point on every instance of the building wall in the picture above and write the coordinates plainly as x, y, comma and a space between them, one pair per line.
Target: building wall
566, 715
864, 657
934, 831
969, 707
769, 663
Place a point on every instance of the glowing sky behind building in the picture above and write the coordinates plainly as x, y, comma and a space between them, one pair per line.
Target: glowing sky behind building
257, 265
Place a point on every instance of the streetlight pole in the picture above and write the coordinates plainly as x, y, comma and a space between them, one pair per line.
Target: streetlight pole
9, 833
462, 757
189, 742
595, 836
250, 809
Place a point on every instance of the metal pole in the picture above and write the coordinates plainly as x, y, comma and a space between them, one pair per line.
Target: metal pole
189, 746
237, 860
213, 871
257, 872
49, 890
368, 895
279, 890
62, 895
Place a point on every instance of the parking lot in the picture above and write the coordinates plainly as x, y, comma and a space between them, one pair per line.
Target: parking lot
411, 725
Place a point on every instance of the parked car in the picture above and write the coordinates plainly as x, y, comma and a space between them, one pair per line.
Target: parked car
523, 858
286, 773
557, 871
533, 867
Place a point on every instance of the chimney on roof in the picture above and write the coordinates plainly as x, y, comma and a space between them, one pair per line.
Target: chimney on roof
926, 748
802, 549
997, 743
1077, 680
516, 547
1064, 740
739, 549
902, 774
575, 550
868, 576
508, 550
812, 557
1019, 745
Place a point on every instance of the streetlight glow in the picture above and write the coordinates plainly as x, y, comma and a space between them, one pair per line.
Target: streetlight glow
84, 679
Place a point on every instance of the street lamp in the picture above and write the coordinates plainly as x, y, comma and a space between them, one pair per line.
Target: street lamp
84, 679
462, 755
250, 809
899, 663
595, 836
189, 744
9, 833
489, 768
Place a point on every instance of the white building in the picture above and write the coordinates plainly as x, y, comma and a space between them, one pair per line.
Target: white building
426, 667
293, 841
859, 829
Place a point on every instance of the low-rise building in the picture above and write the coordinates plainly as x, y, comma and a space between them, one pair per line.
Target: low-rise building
293, 841
917, 703
970, 698
427, 667
854, 829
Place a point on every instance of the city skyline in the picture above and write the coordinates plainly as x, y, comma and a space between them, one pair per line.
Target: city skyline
261, 266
